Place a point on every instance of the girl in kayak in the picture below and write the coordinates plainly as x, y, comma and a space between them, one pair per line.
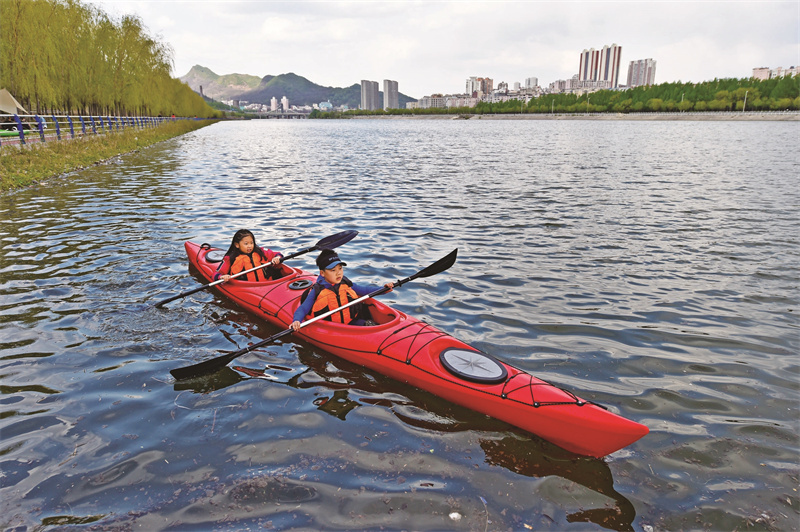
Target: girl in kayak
332, 290
244, 254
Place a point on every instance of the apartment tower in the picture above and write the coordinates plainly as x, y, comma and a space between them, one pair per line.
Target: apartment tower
369, 95
601, 66
391, 96
641, 72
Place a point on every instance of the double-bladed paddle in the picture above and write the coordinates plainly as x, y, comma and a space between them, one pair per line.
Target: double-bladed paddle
210, 366
329, 242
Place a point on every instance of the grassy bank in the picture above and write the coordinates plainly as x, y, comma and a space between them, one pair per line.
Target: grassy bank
40, 161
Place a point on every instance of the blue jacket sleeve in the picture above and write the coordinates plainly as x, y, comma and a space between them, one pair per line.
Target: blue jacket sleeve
362, 290
303, 310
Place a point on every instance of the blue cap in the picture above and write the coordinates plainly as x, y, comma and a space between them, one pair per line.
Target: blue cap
328, 259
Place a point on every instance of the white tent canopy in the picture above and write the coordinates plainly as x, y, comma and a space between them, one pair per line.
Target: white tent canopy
8, 104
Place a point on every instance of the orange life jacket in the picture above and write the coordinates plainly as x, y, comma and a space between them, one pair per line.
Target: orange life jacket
328, 300
245, 262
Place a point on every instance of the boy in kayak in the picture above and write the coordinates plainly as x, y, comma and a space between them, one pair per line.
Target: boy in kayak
244, 254
332, 290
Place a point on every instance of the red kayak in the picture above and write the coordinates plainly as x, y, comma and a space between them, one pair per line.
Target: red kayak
414, 352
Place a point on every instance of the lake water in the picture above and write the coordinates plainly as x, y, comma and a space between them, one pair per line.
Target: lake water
649, 266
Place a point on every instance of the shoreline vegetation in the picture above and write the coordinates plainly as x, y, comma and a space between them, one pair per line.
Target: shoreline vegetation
38, 162
719, 96
770, 116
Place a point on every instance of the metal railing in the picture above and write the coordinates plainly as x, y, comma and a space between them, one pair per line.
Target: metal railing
19, 130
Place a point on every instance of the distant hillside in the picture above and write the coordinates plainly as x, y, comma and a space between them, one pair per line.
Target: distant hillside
297, 89
219, 87
301, 91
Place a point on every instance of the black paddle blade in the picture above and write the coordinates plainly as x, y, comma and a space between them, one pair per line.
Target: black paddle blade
437, 267
440, 265
329, 242
203, 368
215, 364
334, 241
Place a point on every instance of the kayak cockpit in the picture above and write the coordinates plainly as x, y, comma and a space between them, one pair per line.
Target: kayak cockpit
380, 314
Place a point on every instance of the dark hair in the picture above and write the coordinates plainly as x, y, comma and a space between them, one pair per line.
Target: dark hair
234, 252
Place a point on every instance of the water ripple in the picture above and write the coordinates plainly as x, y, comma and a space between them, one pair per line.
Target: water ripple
651, 267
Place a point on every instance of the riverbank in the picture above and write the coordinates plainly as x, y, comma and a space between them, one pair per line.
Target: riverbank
21, 167
777, 116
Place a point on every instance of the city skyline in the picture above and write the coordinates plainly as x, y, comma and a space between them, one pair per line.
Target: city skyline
432, 47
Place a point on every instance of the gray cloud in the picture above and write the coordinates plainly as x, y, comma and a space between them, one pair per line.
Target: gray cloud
433, 47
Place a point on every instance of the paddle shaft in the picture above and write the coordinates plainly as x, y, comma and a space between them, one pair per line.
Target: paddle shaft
329, 242
210, 366
209, 285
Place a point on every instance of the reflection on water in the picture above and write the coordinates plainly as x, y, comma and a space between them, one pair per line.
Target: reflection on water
519, 454
651, 267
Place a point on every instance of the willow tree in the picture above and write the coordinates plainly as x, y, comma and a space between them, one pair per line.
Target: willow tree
64, 55
72, 33
17, 42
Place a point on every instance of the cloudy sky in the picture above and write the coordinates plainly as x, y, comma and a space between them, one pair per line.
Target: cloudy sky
434, 46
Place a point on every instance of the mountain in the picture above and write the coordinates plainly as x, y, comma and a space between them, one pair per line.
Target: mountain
297, 89
219, 87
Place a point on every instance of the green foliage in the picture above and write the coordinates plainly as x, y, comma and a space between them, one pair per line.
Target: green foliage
716, 95
64, 56
786, 87
39, 161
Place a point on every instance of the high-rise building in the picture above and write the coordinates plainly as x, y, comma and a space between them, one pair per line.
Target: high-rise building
273, 104
472, 86
369, 95
641, 72
477, 87
590, 59
531, 83
610, 57
601, 67
285, 103
391, 96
